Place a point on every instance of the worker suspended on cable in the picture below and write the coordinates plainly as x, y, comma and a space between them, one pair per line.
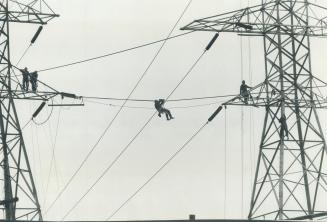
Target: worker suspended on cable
158, 104
283, 127
33, 80
26, 80
244, 92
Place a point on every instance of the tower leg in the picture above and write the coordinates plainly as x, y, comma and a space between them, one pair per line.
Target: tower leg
20, 200
289, 174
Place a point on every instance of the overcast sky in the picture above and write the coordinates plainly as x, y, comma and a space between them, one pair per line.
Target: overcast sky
194, 183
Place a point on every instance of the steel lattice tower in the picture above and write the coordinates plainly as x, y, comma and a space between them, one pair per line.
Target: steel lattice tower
20, 200
290, 179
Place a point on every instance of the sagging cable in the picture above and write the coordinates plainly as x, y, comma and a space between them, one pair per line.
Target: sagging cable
36, 35
212, 41
38, 110
215, 113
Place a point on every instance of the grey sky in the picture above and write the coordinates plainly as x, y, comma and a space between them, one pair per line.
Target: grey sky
194, 181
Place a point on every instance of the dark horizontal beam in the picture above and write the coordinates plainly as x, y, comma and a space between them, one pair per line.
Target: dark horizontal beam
27, 17
205, 220
311, 216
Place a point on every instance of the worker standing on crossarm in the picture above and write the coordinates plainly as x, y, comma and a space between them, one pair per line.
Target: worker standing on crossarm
244, 92
26, 80
33, 80
283, 127
158, 104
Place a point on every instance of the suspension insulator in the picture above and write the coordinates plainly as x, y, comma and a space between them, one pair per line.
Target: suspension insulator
212, 41
242, 25
39, 109
68, 95
36, 34
215, 113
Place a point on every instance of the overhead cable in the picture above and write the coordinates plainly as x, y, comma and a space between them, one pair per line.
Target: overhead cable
134, 138
114, 53
152, 107
156, 172
172, 157
139, 132
35, 36
131, 142
121, 108
152, 100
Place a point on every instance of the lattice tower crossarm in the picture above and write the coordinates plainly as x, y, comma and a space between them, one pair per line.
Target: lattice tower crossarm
20, 199
291, 177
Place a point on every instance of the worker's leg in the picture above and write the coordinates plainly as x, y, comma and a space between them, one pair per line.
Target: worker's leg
159, 112
246, 98
286, 130
167, 113
26, 84
281, 133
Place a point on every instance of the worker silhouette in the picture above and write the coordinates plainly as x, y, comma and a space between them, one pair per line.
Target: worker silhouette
158, 104
26, 80
33, 80
283, 127
244, 92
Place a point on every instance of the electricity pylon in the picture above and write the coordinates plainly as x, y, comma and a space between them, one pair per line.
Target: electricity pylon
290, 179
19, 199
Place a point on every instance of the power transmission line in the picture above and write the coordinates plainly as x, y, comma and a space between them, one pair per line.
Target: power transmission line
131, 142
115, 53
152, 100
24, 53
152, 108
121, 108
157, 171
149, 120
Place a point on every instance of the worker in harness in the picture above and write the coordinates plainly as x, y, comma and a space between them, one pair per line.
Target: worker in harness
244, 92
26, 80
158, 104
33, 80
283, 127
